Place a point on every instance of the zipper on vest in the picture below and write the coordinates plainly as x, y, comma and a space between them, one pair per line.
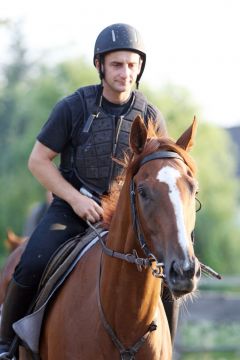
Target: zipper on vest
115, 143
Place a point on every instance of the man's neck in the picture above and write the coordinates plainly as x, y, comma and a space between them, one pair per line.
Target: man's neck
115, 97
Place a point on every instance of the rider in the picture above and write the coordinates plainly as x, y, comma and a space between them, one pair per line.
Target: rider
87, 128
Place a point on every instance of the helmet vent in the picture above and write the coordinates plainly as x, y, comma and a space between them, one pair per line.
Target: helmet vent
136, 37
113, 36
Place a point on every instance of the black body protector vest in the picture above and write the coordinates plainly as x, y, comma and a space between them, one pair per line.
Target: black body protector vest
103, 137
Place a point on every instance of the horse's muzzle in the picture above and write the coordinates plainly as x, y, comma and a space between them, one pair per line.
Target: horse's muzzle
183, 277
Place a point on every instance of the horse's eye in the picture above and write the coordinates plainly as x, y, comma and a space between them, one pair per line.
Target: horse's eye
142, 192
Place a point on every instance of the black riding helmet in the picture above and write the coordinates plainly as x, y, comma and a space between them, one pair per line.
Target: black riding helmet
119, 37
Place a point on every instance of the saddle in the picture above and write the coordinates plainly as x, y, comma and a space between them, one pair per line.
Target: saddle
60, 266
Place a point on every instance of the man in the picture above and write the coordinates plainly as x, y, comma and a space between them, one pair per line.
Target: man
87, 129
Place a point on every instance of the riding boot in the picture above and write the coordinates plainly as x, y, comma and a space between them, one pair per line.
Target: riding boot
171, 307
17, 302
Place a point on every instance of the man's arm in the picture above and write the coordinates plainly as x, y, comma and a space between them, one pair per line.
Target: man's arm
154, 113
42, 167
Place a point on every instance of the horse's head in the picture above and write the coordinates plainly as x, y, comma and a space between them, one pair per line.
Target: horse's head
13, 240
165, 187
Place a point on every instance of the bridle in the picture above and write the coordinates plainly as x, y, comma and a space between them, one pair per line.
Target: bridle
150, 259
159, 266
157, 271
134, 258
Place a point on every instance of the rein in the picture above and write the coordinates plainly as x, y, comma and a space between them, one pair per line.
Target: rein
130, 258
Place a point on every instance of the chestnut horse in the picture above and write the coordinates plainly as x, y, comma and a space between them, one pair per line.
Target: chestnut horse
110, 307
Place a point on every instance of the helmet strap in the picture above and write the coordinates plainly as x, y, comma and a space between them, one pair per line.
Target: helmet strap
101, 71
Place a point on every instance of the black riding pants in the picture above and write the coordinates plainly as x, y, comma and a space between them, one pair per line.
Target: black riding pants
58, 225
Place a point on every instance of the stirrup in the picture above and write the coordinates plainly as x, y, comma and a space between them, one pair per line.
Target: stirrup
5, 356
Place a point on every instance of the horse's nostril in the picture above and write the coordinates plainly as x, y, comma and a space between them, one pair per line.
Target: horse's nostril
174, 271
179, 270
189, 273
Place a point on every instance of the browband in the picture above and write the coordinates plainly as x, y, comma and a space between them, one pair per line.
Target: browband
161, 155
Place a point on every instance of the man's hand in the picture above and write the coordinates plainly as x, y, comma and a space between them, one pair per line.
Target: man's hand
87, 208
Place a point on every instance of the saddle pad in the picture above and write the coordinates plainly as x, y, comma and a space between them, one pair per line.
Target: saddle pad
29, 328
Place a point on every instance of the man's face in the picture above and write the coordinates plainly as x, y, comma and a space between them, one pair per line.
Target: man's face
121, 69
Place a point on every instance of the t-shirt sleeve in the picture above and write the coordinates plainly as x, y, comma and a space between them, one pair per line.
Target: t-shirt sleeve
56, 132
154, 113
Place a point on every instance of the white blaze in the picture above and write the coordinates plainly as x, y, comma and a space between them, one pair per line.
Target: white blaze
169, 176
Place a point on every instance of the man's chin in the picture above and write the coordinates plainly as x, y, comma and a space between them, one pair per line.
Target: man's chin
124, 88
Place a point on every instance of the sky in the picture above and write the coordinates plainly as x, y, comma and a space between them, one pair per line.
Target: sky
190, 43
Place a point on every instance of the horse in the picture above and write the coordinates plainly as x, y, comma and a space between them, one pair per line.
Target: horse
110, 306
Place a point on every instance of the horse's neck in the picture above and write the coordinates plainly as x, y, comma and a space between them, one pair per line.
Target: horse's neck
128, 296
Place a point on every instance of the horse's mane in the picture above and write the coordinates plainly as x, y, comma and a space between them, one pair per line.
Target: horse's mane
155, 141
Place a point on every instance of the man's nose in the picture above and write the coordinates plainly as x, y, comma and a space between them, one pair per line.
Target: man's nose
125, 71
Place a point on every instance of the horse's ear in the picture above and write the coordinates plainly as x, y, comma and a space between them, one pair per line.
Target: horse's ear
186, 140
138, 135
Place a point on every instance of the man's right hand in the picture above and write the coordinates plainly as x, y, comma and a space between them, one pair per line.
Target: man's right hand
87, 209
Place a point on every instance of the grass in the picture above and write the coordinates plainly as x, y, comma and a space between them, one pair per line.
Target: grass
209, 341
211, 356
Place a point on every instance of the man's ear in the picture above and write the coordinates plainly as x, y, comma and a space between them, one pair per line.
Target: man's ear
97, 64
140, 64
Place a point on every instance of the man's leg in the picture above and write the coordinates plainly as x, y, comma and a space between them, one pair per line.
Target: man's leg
16, 305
